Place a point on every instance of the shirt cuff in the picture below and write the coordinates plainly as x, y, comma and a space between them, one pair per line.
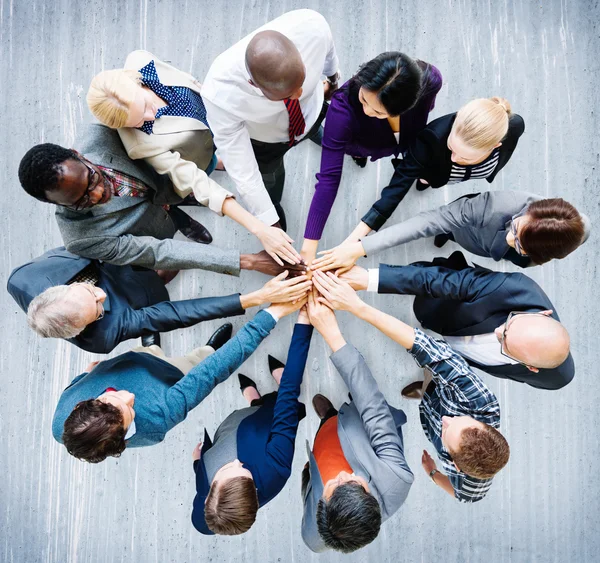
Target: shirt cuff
268, 217
373, 284
275, 317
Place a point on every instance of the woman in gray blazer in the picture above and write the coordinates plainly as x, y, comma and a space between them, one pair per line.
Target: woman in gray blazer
520, 227
160, 117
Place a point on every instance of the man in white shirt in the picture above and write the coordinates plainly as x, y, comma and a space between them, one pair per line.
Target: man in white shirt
263, 96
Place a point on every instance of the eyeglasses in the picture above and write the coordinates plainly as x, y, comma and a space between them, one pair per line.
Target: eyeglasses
513, 230
99, 306
84, 200
511, 315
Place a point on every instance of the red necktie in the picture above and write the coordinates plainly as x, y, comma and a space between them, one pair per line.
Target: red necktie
297, 124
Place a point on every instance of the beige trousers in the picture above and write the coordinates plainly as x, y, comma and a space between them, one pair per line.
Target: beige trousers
183, 363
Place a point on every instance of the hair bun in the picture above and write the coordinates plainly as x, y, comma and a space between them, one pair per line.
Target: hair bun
503, 103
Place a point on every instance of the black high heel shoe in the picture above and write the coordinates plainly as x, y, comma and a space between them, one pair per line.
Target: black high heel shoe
246, 382
274, 364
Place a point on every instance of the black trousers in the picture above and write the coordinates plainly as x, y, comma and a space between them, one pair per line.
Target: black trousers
269, 157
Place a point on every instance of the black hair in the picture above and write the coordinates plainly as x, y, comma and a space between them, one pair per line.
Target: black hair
39, 171
94, 431
394, 77
350, 519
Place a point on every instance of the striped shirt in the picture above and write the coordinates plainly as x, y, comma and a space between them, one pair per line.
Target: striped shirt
455, 391
125, 185
461, 173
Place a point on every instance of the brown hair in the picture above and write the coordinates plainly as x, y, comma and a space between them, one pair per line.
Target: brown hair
483, 123
94, 431
231, 506
554, 230
483, 451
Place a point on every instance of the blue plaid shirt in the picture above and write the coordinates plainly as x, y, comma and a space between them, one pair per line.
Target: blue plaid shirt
181, 101
457, 392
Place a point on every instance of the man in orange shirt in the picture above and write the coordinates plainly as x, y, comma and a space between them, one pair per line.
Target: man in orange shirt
357, 476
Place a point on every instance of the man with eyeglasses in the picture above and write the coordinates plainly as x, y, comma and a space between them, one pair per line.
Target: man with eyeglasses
121, 211
96, 305
502, 323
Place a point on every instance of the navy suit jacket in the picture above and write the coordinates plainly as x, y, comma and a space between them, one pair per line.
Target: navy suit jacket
137, 302
471, 301
266, 438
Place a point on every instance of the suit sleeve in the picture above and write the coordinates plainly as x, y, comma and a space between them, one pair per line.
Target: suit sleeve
171, 315
194, 387
438, 282
460, 213
280, 447
406, 171
150, 252
376, 416
233, 142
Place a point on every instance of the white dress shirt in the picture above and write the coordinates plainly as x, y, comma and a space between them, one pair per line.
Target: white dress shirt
481, 348
238, 111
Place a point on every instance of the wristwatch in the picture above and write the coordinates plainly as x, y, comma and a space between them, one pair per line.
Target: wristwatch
336, 78
432, 474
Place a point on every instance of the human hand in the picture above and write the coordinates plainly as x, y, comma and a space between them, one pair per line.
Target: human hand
357, 277
427, 462
321, 316
335, 293
278, 244
196, 452
303, 316
281, 290
262, 262
309, 251
343, 256
330, 86
280, 310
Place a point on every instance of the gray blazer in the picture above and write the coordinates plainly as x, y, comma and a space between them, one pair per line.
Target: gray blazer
478, 223
371, 437
131, 230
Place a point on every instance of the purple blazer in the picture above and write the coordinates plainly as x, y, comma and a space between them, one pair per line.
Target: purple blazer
349, 131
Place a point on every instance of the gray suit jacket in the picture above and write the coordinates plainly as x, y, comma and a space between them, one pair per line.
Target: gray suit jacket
132, 230
371, 437
478, 223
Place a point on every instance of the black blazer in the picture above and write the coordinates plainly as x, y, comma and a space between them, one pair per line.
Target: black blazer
471, 301
430, 158
137, 302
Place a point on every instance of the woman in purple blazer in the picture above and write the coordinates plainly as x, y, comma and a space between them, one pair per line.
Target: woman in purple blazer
377, 113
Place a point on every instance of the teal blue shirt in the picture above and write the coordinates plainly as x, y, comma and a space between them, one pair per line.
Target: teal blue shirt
163, 395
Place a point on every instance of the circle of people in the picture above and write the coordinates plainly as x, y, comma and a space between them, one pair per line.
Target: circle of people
118, 201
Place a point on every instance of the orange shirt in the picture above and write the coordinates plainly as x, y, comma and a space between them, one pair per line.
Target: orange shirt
328, 451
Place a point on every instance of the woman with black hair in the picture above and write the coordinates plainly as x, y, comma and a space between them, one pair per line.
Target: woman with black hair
377, 113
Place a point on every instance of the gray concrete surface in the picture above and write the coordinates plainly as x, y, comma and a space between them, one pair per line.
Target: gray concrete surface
542, 56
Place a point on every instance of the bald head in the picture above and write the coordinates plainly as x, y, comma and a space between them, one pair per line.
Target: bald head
275, 65
537, 340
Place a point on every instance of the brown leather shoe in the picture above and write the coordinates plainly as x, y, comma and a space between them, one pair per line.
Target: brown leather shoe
321, 404
413, 390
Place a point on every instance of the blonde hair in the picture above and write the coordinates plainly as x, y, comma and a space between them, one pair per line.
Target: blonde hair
110, 95
483, 123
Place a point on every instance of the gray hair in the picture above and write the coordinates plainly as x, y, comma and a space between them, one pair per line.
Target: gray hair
53, 315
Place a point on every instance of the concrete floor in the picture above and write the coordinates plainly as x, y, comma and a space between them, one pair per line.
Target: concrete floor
542, 56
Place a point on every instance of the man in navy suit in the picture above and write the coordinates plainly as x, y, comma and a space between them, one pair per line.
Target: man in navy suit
96, 305
502, 323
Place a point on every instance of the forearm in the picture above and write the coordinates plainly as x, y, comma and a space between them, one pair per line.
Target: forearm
333, 337
443, 482
361, 230
392, 327
233, 210
309, 250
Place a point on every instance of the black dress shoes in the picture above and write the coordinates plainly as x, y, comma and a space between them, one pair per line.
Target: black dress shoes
281, 213
151, 339
360, 161
220, 336
189, 227
413, 390
322, 405
246, 382
274, 364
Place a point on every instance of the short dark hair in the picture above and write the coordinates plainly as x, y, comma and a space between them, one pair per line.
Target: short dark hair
350, 519
482, 453
555, 229
39, 171
94, 431
395, 78
230, 508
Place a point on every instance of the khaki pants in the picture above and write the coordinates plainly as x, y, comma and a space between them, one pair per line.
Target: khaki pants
182, 363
